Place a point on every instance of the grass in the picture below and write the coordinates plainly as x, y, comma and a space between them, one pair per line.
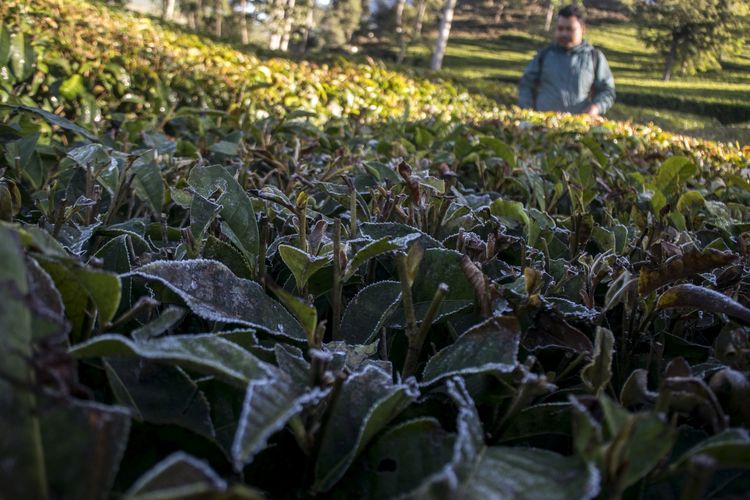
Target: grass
687, 104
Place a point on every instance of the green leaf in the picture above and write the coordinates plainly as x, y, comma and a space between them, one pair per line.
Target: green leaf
367, 403
4, 45
379, 247
597, 374
510, 210
22, 56
730, 449
268, 406
237, 211
527, 473
147, 183
490, 347
183, 476
159, 394
89, 438
17, 407
690, 200
369, 310
440, 265
399, 461
212, 292
53, 120
305, 313
73, 87
674, 173
205, 353
639, 442
500, 148
301, 264
78, 285
595, 149
478, 471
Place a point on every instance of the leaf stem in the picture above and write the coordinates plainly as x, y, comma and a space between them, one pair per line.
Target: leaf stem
416, 342
406, 296
336, 292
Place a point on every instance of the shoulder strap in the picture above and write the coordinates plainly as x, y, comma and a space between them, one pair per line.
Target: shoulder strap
595, 63
535, 87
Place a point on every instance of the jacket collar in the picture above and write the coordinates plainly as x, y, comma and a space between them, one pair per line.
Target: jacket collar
584, 46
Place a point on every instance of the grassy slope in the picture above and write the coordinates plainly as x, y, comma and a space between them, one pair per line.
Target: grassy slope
492, 65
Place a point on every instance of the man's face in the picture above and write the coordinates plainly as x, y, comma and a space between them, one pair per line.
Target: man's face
569, 32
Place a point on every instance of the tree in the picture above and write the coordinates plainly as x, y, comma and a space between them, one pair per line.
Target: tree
341, 21
693, 33
444, 31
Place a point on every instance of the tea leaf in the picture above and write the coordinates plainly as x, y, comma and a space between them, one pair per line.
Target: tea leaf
205, 353
214, 293
237, 211
596, 375
369, 310
268, 406
368, 401
490, 347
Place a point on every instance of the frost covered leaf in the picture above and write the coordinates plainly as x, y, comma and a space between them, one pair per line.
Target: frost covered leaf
367, 403
206, 353
239, 225
490, 347
159, 394
438, 266
399, 461
368, 311
212, 292
268, 406
183, 476
378, 247
378, 230
478, 471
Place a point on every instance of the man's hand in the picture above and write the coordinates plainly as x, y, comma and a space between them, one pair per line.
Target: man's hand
592, 111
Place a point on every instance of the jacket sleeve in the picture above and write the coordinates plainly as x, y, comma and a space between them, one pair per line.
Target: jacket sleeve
531, 74
604, 85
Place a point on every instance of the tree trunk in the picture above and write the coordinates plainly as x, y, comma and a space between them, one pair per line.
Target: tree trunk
421, 9
275, 23
169, 6
218, 18
244, 35
550, 13
286, 33
400, 4
444, 32
669, 64
309, 25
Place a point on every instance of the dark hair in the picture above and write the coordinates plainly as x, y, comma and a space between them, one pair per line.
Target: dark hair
572, 11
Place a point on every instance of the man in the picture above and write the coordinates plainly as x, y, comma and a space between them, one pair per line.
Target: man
569, 75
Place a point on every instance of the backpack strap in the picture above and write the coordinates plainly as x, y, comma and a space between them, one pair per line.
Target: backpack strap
595, 62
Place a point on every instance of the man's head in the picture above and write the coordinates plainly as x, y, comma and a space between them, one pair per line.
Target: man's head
570, 27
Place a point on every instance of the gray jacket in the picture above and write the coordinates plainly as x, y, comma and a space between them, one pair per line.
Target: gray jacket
563, 80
